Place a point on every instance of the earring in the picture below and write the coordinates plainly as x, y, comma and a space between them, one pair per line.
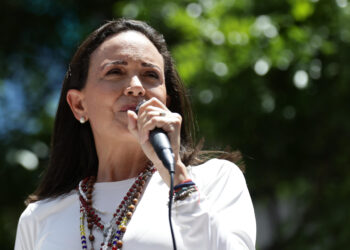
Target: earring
82, 120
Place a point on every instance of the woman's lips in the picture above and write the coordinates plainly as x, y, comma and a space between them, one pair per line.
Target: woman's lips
125, 108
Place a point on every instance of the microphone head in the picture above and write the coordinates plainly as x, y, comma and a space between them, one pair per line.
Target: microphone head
139, 105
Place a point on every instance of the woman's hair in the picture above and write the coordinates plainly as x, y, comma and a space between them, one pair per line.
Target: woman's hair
73, 155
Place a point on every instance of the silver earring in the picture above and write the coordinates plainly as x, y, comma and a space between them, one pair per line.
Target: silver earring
82, 120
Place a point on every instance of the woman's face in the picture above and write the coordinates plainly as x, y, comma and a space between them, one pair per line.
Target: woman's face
124, 70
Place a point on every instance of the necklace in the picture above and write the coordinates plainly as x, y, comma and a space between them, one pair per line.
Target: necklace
114, 230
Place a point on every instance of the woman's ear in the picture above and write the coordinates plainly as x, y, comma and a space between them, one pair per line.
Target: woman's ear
75, 99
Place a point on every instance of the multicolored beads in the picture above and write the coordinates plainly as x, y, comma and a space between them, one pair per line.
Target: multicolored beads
114, 232
82, 229
184, 190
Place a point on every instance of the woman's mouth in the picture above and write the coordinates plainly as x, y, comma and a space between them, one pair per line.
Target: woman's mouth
125, 108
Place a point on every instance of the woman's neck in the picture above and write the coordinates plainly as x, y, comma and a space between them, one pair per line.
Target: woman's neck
119, 161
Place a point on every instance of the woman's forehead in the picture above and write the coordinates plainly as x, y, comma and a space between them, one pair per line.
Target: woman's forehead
129, 46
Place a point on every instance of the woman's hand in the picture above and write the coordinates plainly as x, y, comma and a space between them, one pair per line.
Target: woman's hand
154, 114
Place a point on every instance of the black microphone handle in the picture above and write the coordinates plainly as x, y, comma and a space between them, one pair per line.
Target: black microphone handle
161, 145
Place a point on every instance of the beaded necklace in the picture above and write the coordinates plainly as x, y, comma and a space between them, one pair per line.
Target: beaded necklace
113, 231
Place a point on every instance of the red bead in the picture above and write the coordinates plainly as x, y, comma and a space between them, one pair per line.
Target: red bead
91, 237
102, 226
117, 222
114, 215
125, 198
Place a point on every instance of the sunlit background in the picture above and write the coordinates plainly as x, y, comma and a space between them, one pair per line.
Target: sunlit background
270, 78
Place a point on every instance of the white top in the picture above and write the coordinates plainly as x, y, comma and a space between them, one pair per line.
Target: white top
220, 216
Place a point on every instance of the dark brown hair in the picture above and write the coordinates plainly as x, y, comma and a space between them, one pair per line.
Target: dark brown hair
73, 155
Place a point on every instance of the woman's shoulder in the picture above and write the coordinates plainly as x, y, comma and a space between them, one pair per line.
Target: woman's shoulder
42, 218
217, 176
216, 168
41, 209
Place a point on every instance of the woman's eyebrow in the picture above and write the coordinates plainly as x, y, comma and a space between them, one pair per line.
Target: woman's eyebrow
122, 62
144, 64
116, 62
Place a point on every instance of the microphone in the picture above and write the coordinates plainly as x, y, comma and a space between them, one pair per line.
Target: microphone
161, 145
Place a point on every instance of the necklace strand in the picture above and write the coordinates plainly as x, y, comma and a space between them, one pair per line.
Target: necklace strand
114, 231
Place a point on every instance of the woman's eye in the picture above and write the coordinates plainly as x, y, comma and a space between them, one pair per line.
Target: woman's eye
114, 71
152, 74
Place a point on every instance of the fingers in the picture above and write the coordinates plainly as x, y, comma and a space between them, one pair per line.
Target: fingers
153, 102
171, 123
132, 122
153, 113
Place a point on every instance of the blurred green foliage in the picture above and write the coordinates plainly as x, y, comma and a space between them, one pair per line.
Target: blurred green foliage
270, 78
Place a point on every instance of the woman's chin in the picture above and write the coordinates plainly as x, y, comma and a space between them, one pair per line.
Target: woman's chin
121, 129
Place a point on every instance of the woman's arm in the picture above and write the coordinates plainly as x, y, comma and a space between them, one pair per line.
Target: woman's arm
26, 231
220, 216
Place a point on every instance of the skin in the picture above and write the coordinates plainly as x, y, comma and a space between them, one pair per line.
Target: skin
125, 69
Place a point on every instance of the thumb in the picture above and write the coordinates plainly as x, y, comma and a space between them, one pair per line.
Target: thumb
132, 122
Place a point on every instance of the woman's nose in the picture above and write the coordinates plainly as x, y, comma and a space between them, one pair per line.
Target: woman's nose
135, 87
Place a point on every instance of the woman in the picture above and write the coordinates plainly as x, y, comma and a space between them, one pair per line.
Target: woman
105, 187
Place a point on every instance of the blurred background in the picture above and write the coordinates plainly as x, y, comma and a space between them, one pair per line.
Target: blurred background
270, 78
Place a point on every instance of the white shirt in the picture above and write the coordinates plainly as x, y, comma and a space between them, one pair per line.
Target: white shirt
220, 216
